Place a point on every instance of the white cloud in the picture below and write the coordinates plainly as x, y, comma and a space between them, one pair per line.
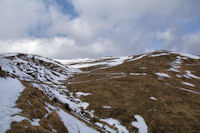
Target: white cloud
58, 47
192, 43
104, 27
175, 41
17, 17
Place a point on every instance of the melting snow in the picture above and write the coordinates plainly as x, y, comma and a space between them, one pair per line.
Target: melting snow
32, 68
73, 61
189, 84
178, 75
74, 103
88, 65
137, 73
188, 55
189, 74
116, 124
189, 90
143, 67
78, 94
155, 55
118, 61
111, 62
35, 122
163, 75
107, 107
140, 124
178, 61
139, 57
152, 110
73, 124
153, 98
10, 90
174, 69
84, 105
176, 64
99, 124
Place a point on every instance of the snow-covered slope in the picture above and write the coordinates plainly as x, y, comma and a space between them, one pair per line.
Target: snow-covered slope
31, 67
46, 75
105, 62
10, 90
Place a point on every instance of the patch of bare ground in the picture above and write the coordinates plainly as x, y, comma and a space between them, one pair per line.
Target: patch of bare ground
2, 73
174, 110
32, 103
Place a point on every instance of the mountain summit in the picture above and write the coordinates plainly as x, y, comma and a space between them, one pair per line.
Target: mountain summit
152, 92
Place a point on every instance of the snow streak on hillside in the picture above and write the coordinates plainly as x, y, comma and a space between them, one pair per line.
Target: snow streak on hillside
104, 61
51, 77
31, 67
114, 61
9, 92
45, 74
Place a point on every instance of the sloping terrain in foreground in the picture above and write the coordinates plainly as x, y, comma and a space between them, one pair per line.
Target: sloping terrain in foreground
153, 92
161, 89
32, 96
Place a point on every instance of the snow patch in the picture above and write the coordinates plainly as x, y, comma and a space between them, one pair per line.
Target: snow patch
99, 124
188, 55
74, 103
173, 69
115, 123
73, 124
190, 75
84, 105
178, 75
111, 62
29, 68
35, 122
140, 124
153, 98
189, 90
137, 58
73, 61
189, 84
78, 94
10, 90
155, 55
107, 107
162, 75
137, 74
118, 61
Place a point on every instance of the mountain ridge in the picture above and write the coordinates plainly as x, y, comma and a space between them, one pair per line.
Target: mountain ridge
103, 92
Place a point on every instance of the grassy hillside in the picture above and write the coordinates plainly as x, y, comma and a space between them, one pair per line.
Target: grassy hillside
162, 87
153, 92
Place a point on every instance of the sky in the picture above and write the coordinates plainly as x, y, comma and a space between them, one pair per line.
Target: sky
67, 29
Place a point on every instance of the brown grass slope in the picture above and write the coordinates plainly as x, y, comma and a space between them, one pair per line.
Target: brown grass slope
174, 110
32, 103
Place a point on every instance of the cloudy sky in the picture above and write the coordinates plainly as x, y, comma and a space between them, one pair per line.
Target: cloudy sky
68, 29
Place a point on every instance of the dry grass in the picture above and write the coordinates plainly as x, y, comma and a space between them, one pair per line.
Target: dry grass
32, 103
25, 127
2, 73
174, 111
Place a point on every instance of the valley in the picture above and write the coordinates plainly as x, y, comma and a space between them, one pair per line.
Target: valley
152, 92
